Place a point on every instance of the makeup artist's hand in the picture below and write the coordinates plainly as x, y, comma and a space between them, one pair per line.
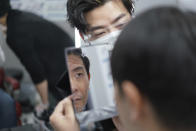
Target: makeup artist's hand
63, 118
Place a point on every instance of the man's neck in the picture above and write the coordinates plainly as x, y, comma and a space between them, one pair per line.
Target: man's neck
151, 121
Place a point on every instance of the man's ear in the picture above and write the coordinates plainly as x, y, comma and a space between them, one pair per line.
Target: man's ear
133, 98
89, 76
81, 35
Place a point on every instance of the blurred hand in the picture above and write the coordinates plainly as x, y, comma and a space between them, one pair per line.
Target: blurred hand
63, 118
118, 123
40, 108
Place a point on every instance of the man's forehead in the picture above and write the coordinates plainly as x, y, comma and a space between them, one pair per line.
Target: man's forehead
77, 68
75, 61
105, 14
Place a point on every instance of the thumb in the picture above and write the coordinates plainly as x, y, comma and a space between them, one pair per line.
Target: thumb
59, 108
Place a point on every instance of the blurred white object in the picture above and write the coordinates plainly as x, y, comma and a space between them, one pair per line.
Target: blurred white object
187, 4
143, 5
78, 40
2, 54
49, 9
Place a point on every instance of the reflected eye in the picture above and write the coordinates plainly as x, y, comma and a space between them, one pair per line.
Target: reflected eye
78, 75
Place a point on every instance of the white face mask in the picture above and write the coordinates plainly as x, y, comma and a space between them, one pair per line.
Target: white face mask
109, 39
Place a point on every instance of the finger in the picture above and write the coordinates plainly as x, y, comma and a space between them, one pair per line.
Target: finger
68, 107
60, 107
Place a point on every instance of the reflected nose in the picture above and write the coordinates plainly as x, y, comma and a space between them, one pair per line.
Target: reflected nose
74, 88
73, 85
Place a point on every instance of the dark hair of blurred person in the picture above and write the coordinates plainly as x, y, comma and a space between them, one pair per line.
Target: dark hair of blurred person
154, 69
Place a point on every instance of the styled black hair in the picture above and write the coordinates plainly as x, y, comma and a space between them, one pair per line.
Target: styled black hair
4, 7
85, 60
157, 52
77, 8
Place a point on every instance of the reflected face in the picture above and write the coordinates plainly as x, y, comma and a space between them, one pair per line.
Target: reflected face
79, 81
105, 19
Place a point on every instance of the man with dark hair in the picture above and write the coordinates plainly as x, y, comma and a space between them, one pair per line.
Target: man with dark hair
39, 44
99, 21
154, 70
63, 84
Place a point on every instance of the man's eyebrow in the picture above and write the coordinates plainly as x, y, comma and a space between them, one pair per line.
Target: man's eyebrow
78, 68
91, 29
118, 18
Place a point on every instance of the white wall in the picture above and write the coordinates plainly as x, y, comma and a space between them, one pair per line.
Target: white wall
142, 5
187, 4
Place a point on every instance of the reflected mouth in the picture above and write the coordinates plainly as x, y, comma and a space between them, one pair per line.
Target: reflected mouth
77, 99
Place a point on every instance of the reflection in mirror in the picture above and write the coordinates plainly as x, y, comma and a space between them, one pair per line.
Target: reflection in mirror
78, 68
91, 82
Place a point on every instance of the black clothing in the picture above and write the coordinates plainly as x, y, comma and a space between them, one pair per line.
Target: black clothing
39, 44
63, 86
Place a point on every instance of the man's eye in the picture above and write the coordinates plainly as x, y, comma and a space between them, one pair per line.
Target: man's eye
79, 75
121, 26
97, 35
